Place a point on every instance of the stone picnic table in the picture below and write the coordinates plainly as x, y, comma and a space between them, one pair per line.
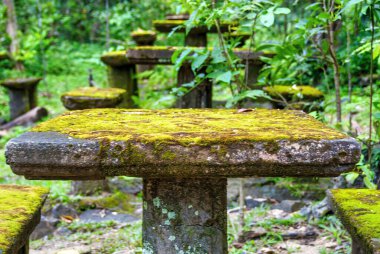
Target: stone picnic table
197, 36
122, 71
185, 157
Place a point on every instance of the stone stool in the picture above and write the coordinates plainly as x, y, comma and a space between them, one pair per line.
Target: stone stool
144, 38
359, 211
22, 93
92, 97
86, 98
306, 98
20, 212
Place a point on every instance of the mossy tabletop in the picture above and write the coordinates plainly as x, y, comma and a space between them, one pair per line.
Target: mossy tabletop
190, 126
19, 206
308, 92
181, 142
359, 210
95, 92
20, 83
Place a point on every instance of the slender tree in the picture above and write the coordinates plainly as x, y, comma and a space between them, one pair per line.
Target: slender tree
12, 31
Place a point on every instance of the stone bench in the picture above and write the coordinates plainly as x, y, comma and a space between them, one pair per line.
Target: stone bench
22, 94
305, 98
359, 211
185, 157
122, 71
20, 212
93, 97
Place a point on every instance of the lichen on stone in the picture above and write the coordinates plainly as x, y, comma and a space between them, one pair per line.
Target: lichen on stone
189, 126
359, 209
140, 32
18, 206
95, 92
306, 92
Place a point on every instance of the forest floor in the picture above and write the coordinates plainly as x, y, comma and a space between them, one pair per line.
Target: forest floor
105, 224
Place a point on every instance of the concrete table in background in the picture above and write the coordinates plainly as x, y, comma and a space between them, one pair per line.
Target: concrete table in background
185, 157
92, 97
122, 71
22, 94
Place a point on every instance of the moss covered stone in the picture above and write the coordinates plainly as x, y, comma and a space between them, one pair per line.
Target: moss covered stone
115, 58
19, 206
95, 92
142, 37
93, 97
359, 210
20, 83
4, 55
192, 126
304, 92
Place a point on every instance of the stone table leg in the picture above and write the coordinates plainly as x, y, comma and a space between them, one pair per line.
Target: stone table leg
199, 97
253, 74
19, 102
124, 77
185, 216
196, 39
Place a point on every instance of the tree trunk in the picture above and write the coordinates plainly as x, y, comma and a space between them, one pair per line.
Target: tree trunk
12, 31
330, 40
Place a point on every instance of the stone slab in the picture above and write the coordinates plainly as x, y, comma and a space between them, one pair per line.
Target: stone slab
19, 214
92, 97
92, 144
20, 83
359, 211
163, 54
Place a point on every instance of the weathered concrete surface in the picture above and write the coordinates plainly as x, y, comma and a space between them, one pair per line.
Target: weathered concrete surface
203, 143
188, 215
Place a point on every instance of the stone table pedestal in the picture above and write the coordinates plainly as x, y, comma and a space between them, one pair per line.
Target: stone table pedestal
185, 157
144, 38
22, 95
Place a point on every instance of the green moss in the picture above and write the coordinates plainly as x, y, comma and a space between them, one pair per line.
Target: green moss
118, 201
140, 32
360, 210
174, 22
115, 58
18, 205
291, 91
189, 126
3, 55
95, 92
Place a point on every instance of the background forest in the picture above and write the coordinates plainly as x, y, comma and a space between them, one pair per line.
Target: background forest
331, 45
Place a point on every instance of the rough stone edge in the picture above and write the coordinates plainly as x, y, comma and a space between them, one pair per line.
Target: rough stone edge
85, 159
368, 247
